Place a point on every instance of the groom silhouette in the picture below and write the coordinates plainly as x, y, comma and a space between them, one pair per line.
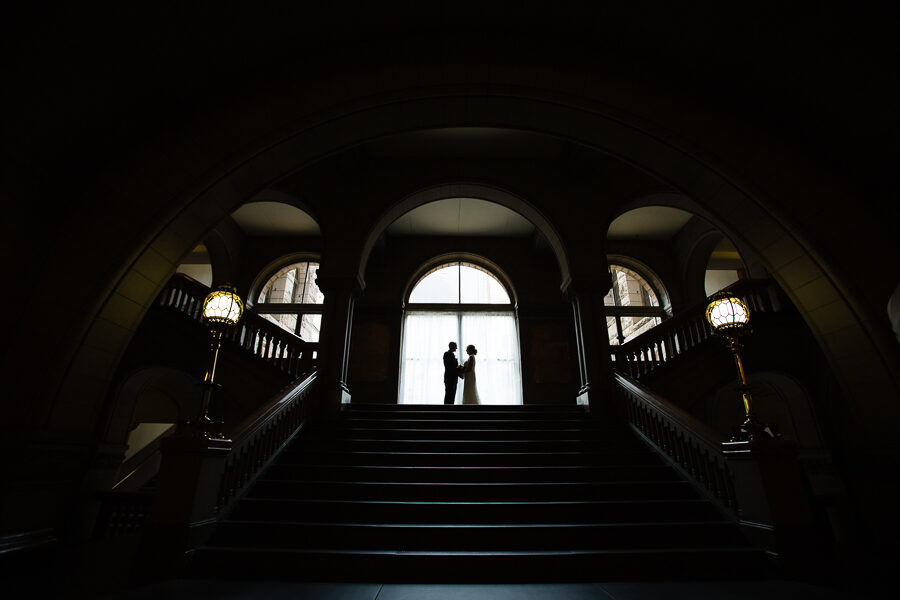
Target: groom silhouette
451, 366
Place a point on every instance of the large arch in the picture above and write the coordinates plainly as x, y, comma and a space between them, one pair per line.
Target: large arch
835, 312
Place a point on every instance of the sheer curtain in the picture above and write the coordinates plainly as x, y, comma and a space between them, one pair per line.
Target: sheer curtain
425, 339
497, 362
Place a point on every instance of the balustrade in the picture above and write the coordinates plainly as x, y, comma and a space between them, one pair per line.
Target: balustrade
694, 448
689, 329
122, 513
259, 437
253, 334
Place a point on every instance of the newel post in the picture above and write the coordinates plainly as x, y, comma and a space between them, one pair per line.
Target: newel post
184, 509
774, 508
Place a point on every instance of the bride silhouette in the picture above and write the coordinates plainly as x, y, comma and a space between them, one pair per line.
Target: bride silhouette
467, 373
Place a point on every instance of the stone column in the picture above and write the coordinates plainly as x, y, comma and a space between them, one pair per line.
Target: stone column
334, 339
591, 340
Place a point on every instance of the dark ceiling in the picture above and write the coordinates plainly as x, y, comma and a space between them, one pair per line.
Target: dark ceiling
86, 80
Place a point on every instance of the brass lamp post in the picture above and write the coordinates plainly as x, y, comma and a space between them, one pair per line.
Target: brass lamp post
729, 318
222, 308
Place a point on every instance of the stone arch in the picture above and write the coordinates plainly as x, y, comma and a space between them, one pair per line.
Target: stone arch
467, 190
272, 195
780, 400
835, 312
753, 263
182, 390
221, 257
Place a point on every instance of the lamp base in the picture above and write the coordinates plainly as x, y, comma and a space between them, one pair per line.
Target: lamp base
206, 428
751, 429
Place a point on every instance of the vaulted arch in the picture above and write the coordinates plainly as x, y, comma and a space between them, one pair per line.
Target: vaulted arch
834, 310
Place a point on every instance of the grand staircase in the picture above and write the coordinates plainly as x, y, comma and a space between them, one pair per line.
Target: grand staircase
415, 493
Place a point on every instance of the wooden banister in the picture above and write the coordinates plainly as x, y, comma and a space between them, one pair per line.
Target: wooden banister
141, 467
758, 483
253, 334
688, 443
261, 435
201, 478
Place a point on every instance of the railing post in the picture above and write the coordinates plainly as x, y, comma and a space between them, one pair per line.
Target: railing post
774, 506
183, 513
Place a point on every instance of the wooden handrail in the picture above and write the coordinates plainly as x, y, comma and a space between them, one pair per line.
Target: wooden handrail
254, 444
259, 437
253, 334
139, 468
689, 444
689, 329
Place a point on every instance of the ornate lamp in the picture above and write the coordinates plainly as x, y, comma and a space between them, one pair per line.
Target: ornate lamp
222, 308
729, 317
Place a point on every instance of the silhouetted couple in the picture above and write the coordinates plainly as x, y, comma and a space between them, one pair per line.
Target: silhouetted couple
465, 371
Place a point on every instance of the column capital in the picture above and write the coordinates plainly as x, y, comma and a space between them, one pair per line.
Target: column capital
332, 284
586, 285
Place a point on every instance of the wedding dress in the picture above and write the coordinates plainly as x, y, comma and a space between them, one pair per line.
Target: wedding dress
470, 389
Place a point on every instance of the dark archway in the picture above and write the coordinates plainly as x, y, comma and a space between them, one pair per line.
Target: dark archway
831, 309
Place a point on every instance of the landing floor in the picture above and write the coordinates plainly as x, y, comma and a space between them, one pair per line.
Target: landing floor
276, 590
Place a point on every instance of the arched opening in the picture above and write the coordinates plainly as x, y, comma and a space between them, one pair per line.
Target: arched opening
780, 249
633, 305
463, 300
291, 299
724, 267
197, 265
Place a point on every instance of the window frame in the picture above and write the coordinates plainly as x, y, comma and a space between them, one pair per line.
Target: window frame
617, 311
299, 309
459, 308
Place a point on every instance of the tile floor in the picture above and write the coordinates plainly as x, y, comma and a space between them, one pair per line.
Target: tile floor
718, 590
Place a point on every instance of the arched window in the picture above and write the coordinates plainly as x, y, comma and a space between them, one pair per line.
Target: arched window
632, 305
466, 303
292, 300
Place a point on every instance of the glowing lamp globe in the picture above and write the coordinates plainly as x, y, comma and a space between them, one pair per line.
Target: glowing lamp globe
727, 314
223, 306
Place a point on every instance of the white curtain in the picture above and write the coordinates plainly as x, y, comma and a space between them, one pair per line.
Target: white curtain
497, 362
425, 339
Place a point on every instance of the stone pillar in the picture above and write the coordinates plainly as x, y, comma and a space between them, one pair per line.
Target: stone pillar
334, 338
591, 341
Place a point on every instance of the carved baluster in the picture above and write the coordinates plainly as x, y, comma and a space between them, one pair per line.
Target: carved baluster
264, 344
686, 458
722, 481
731, 494
669, 441
696, 472
677, 456
658, 432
